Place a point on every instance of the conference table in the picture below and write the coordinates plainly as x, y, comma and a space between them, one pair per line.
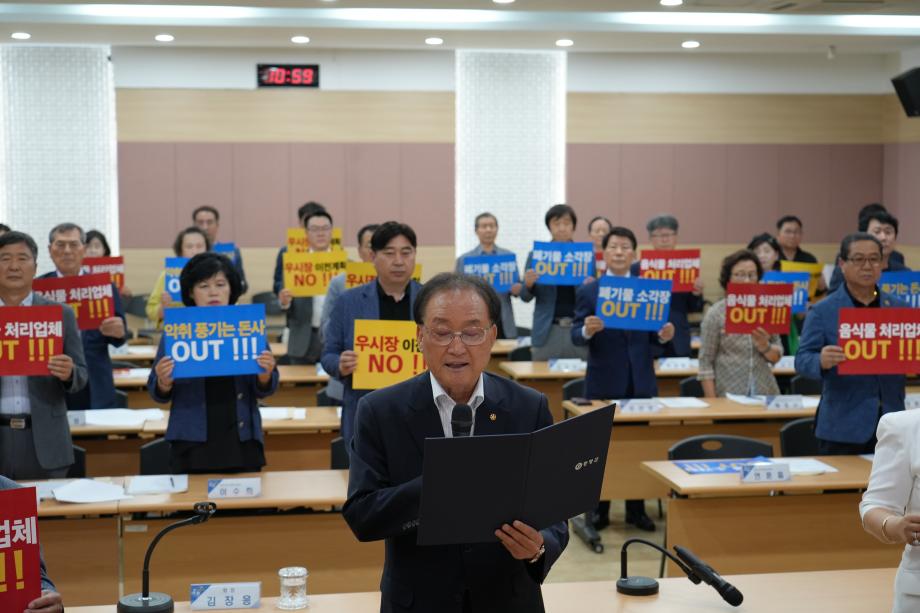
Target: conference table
842, 591
810, 522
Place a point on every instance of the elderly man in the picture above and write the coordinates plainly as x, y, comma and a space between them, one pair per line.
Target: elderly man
851, 405
34, 433
390, 297
456, 317
67, 246
207, 218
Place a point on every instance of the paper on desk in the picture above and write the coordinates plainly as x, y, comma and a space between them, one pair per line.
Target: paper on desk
682, 402
122, 417
678, 364
275, 413
158, 484
809, 402
320, 370
787, 362
338, 411
122, 373
300, 413
868, 456
523, 341
45, 489
89, 490
567, 364
806, 466
752, 401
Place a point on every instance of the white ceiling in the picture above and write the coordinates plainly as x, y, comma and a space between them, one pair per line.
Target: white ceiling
725, 26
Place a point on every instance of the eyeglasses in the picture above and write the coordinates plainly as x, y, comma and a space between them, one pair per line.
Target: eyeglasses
745, 276
860, 260
65, 245
663, 234
469, 337
318, 229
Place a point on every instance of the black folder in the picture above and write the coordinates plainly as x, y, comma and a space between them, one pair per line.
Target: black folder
473, 485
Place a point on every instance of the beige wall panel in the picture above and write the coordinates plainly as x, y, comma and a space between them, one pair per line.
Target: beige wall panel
189, 115
898, 127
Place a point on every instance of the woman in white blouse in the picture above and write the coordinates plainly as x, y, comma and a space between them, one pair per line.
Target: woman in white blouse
890, 507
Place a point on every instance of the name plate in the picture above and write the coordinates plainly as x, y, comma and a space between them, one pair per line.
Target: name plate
76, 418
249, 487
567, 364
763, 472
640, 405
785, 403
678, 364
912, 401
217, 596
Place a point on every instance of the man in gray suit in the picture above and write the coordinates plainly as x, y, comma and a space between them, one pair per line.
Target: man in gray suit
486, 226
34, 433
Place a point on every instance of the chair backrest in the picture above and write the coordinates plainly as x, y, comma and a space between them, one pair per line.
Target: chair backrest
797, 438
573, 389
137, 305
803, 385
272, 306
77, 470
522, 331
520, 354
692, 387
155, 457
339, 454
719, 447
121, 398
123, 364
322, 398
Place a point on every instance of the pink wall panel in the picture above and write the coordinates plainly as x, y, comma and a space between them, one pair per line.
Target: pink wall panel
427, 192
699, 191
805, 188
318, 173
593, 183
204, 175
856, 173
261, 194
646, 183
902, 189
147, 194
751, 191
373, 190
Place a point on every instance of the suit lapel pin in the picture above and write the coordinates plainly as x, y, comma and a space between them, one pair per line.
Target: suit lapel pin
492, 416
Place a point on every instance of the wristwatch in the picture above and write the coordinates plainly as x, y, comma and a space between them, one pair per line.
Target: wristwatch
539, 555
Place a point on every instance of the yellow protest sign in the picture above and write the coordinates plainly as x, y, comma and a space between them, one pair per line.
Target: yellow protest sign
309, 274
388, 353
814, 270
297, 241
359, 273
336, 239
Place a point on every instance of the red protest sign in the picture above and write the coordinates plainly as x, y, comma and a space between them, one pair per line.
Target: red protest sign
680, 266
90, 297
29, 336
20, 571
879, 341
751, 305
113, 266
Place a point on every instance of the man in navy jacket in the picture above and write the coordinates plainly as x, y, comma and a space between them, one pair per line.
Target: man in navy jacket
851, 405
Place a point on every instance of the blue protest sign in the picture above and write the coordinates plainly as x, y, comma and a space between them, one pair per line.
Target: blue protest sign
174, 268
499, 271
715, 467
227, 249
633, 303
215, 340
903, 284
562, 263
799, 279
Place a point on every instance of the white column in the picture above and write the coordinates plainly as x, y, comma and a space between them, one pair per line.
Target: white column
58, 156
510, 151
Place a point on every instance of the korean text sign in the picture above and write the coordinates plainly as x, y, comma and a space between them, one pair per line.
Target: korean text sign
681, 266
20, 574
879, 341
799, 279
215, 340
309, 274
90, 296
227, 249
562, 263
631, 303
171, 285
751, 305
814, 270
499, 271
360, 273
298, 242
114, 266
29, 336
903, 284
388, 353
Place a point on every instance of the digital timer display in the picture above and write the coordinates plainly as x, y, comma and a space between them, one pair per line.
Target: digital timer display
288, 75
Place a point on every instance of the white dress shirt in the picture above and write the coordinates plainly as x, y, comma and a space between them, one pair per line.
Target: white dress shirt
14, 391
446, 404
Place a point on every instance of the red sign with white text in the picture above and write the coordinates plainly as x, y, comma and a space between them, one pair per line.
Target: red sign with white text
90, 296
680, 266
749, 306
113, 266
879, 341
29, 336
20, 572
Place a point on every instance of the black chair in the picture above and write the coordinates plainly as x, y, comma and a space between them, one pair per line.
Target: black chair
719, 447
121, 364
137, 306
155, 457
520, 354
692, 387
573, 389
522, 331
270, 300
77, 470
323, 399
121, 398
339, 459
804, 385
797, 438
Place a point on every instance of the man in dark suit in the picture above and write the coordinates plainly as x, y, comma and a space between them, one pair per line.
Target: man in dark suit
456, 317
207, 219
389, 296
34, 433
67, 247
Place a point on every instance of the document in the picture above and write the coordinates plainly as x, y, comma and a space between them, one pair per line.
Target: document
807, 466
473, 485
122, 417
89, 490
747, 400
682, 402
678, 364
158, 484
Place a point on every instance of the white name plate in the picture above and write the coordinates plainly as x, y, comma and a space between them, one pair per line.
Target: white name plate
76, 418
912, 401
249, 487
785, 403
218, 596
640, 405
763, 472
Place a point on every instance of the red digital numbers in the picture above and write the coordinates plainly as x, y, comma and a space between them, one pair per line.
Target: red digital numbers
288, 76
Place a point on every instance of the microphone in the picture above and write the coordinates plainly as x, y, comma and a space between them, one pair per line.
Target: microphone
145, 602
461, 420
726, 590
645, 586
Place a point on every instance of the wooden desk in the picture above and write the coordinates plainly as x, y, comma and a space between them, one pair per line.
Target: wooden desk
749, 527
500, 351
638, 438
143, 355
843, 591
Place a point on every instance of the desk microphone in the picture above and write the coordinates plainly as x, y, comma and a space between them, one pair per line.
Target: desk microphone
461, 420
726, 590
145, 602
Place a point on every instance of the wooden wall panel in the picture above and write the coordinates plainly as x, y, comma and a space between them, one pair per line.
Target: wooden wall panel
204, 175
318, 173
147, 194
261, 194
427, 192
751, 190
805, 188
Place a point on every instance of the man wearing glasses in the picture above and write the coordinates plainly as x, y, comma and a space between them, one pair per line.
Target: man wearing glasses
457, 317
850, 405
389, 297
207, 219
